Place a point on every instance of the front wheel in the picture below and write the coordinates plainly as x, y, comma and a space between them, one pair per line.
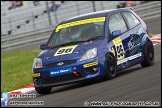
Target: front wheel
110, 68
148, 54
43, 90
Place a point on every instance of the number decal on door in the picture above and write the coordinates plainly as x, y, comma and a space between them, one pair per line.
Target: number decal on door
65, 50
119, 48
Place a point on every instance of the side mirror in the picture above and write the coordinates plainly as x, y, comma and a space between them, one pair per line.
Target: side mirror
116, 33
42, 46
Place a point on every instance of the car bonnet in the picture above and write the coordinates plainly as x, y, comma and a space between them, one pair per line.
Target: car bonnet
53, 55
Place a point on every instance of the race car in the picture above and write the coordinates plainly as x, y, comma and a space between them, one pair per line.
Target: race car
93, 45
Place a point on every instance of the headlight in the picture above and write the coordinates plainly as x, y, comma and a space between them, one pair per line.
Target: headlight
37, 63
91, 53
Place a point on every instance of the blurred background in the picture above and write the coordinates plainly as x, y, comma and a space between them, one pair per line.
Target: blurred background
30, 23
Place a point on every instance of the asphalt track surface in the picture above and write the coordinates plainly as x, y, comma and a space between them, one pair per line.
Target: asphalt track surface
133, 84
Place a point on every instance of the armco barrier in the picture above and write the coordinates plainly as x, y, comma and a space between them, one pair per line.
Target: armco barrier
145, 11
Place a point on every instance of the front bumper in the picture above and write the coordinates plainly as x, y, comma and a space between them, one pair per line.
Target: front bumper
80, 71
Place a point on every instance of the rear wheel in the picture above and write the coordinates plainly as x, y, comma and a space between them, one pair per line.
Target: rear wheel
110, 68
43, 90
148, 55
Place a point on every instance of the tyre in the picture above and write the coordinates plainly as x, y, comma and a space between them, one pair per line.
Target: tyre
148, 55
110, 65
43, 90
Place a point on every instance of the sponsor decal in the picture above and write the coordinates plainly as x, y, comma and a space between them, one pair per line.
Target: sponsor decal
113, 51
131, 44
136, 40
36, 74
65, 50
90, 64
130, 58
60, 71
80, 22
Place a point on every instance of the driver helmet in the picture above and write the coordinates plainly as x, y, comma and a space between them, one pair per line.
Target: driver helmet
75, 32
63, 33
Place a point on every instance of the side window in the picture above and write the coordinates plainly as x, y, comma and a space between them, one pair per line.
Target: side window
132, 20
116, 22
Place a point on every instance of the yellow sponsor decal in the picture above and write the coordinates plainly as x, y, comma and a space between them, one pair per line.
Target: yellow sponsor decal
117, 41
119, 48
36, 74
113, 51
80, 22
65, 50
90, 64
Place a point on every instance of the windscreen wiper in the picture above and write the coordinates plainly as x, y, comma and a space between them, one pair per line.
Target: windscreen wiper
72, 43
69, 43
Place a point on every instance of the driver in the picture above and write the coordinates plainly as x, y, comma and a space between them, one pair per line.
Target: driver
75, 32
64, 36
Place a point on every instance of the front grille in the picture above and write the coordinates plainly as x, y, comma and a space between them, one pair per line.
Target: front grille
52, 65
61, 78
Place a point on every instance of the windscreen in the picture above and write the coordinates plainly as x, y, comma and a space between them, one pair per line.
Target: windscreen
77, 31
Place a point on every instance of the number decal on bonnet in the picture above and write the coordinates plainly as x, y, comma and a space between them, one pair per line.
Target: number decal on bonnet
119, 48
65, 50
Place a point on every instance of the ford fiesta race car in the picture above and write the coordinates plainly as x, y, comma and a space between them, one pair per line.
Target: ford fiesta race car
94, 45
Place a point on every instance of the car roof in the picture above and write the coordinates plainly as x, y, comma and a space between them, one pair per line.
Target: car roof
92, 15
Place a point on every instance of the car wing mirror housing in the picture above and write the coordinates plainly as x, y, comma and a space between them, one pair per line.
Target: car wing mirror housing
42, 46
116, 33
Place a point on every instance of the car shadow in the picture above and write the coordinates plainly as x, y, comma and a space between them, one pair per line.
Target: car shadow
90, 82
76, 85
129, 70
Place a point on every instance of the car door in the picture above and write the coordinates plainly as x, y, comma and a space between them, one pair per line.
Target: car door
116, 22
136, 32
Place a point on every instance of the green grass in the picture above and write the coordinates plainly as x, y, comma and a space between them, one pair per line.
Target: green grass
16, 69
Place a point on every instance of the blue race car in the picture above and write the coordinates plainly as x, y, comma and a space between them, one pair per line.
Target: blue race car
93, 45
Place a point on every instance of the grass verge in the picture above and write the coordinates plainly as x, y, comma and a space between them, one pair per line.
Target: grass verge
16, 69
